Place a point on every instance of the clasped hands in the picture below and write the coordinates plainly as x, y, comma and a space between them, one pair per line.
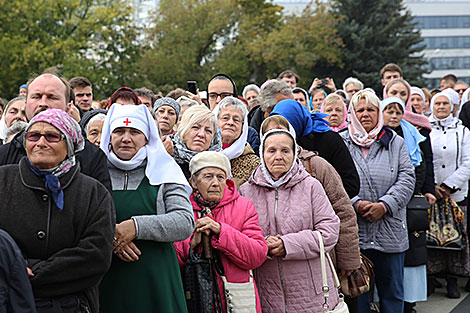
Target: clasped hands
371, 211
275, 246
123, 247
207, 226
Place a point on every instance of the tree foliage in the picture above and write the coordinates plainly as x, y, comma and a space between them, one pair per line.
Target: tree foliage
92, 38
374, 33
251, 40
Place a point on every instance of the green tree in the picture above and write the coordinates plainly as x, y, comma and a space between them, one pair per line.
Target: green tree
374, 33
92, 38
184, 40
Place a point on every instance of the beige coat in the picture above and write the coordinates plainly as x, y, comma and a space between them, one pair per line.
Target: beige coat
347, 249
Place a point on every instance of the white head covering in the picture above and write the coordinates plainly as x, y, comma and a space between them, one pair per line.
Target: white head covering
160, 168
453, 95
238, 146
418, 91
445, 121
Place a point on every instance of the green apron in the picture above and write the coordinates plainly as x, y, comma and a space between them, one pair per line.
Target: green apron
151, 284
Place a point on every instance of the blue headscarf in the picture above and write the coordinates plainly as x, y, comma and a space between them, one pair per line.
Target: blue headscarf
300, 118
411, 135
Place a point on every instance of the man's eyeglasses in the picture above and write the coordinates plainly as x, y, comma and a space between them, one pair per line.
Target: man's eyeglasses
215, 95
460, 90
50, 137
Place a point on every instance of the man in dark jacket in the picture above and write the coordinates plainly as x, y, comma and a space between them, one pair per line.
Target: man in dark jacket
49, 91
16, 294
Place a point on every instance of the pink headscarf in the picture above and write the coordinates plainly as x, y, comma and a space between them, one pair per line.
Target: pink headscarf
356, 131
417, 120
343, 124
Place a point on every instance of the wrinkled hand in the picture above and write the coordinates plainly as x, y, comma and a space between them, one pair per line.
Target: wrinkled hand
196, 239
442, 192
276, 246
316, 83
125, 232
373, 212
168, 144
207, 225
362, 204
129, 253
330, 83
430, 198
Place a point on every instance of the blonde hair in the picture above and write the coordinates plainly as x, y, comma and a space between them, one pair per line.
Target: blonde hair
193, 115
368, 94
333, 99
275, 119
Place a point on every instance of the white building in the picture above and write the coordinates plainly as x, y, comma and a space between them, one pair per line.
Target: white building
445, 28
144, 12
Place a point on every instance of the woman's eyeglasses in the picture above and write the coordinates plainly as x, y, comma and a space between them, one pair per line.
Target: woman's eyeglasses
50, 137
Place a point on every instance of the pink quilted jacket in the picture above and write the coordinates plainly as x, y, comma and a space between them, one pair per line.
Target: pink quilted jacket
299, 206
241, 243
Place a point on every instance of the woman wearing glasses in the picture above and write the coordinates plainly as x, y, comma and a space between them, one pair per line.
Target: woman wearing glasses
233, 122
60, 218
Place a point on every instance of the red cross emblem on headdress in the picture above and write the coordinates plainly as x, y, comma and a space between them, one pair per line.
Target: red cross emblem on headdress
127, 122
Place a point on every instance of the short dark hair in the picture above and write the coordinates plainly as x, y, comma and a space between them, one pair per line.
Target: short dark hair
145, 92
52, 72
178, 92
390, 67
450, 78
81, 82
289, 74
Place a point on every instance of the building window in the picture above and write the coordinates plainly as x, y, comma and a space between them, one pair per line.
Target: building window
425, 22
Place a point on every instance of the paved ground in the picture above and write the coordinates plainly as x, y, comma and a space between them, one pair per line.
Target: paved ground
439, 303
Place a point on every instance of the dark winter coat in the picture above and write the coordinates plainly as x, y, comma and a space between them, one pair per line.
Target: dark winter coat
70, 251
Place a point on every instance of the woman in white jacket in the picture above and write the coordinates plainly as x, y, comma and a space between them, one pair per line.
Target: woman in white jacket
451, 157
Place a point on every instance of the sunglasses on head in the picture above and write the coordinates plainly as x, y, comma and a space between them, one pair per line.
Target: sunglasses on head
50, 137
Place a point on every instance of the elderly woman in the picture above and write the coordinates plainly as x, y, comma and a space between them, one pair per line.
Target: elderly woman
250, 93
335, 107
232, 118
151, 197
318, 96
60, 218
14, 112
197, 132
382, 199
229, 220
451, 150
291, 205
167, 111
417, 146
92, 123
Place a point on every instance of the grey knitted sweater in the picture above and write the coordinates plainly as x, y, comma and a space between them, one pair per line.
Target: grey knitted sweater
174, 220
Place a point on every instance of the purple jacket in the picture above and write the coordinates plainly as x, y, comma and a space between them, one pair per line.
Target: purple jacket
294, 210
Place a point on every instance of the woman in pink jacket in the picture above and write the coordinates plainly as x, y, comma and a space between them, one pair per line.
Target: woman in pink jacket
229, 220
291, 205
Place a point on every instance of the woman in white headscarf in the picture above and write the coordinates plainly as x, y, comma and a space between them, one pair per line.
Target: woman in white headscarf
450, 142
151, 196
232, 118
14, 112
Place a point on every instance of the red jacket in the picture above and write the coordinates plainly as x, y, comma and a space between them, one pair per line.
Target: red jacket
241, 242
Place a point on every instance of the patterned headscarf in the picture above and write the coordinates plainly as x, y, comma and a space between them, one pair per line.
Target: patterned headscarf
75, 143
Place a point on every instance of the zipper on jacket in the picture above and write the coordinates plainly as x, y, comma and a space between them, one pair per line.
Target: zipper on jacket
126, 179
279, 259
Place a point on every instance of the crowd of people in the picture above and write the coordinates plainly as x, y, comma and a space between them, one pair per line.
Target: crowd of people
113, 205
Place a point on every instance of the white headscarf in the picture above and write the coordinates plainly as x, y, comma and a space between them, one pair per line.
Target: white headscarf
3, 124
465, 97
449, 120
238, 146
160, 168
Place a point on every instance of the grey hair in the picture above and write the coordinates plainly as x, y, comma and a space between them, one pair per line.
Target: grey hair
97, 117
250, 87
186, 102
234, 103
267, 96
353, 81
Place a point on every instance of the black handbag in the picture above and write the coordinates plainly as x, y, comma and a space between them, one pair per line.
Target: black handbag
417, 217
198, 283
